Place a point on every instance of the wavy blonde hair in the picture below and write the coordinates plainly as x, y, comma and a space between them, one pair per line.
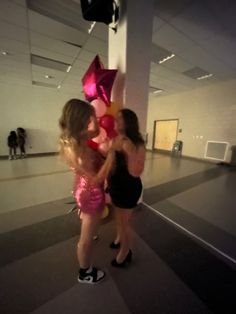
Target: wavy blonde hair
73, 123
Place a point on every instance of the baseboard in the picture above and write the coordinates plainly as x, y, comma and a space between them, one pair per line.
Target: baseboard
169, 153
2, 157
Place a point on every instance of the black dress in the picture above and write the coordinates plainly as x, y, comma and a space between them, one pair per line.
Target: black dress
125, 190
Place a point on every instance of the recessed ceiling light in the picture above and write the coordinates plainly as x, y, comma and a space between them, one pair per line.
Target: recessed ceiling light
204, 77
167, 58
4, 53
69, 68
48, 76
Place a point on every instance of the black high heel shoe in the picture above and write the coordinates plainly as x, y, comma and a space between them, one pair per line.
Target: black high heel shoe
114, 245
128, 259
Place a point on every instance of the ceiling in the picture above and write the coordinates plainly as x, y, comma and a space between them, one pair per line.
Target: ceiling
201, 35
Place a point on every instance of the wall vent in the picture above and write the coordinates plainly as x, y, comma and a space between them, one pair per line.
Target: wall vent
216, 150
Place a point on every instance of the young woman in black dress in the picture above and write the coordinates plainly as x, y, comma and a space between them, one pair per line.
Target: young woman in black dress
124, 183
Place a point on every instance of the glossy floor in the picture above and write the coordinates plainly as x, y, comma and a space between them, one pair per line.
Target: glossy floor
174, 270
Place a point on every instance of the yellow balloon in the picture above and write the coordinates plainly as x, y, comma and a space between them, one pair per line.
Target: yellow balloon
113, 109
105, 212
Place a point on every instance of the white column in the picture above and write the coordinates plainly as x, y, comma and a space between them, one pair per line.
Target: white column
130, 53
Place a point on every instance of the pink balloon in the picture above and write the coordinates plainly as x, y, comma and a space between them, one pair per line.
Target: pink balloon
107, 122
107, 198
98, 82
101, 138
99, 106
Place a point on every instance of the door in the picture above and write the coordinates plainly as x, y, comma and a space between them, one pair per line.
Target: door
165, 134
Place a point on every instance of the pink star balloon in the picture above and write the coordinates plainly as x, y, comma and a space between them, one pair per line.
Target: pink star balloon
97, 82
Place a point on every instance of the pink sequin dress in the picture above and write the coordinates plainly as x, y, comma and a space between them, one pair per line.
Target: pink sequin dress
90, 198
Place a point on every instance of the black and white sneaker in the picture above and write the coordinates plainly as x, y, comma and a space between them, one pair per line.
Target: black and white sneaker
92, 277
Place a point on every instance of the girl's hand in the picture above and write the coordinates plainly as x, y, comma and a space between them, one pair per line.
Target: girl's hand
105, 147
118, 143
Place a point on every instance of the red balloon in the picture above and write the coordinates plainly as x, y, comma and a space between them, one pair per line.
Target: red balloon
112, 134
92, 144
107, 122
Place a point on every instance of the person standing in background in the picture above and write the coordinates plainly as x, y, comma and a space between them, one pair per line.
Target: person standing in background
21, 134
12, 144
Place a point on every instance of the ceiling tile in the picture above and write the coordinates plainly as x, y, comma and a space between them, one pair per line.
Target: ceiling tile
14, 46
65, 12
167, 9
97, 46
53, 45
13, 13
177, 64
51, 55
56, 30
15, 32
197, 22
171, 39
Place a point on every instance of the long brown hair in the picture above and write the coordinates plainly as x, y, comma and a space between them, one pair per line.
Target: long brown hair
132, 126
73, 123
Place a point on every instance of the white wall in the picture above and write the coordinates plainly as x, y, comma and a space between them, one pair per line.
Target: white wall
209, 112
37, 109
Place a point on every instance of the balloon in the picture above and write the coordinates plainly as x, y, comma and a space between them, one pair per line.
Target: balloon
101, 137
107, 198
113, 109
92, 144
99, 106
112, 134
107, 122
105, 212
98, 82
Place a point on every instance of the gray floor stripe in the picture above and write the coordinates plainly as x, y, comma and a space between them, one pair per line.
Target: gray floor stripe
25, 241
166, 190
213, 281
219, 238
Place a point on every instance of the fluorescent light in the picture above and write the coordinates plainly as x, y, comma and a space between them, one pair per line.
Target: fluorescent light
69, 68
157, 91
91, 27
167, 58
59, 86
204, 77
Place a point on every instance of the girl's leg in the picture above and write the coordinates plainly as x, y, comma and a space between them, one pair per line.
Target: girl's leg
14, 148
88, 274
85, 246
10, 153
21, 150
118, 226
123, 217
